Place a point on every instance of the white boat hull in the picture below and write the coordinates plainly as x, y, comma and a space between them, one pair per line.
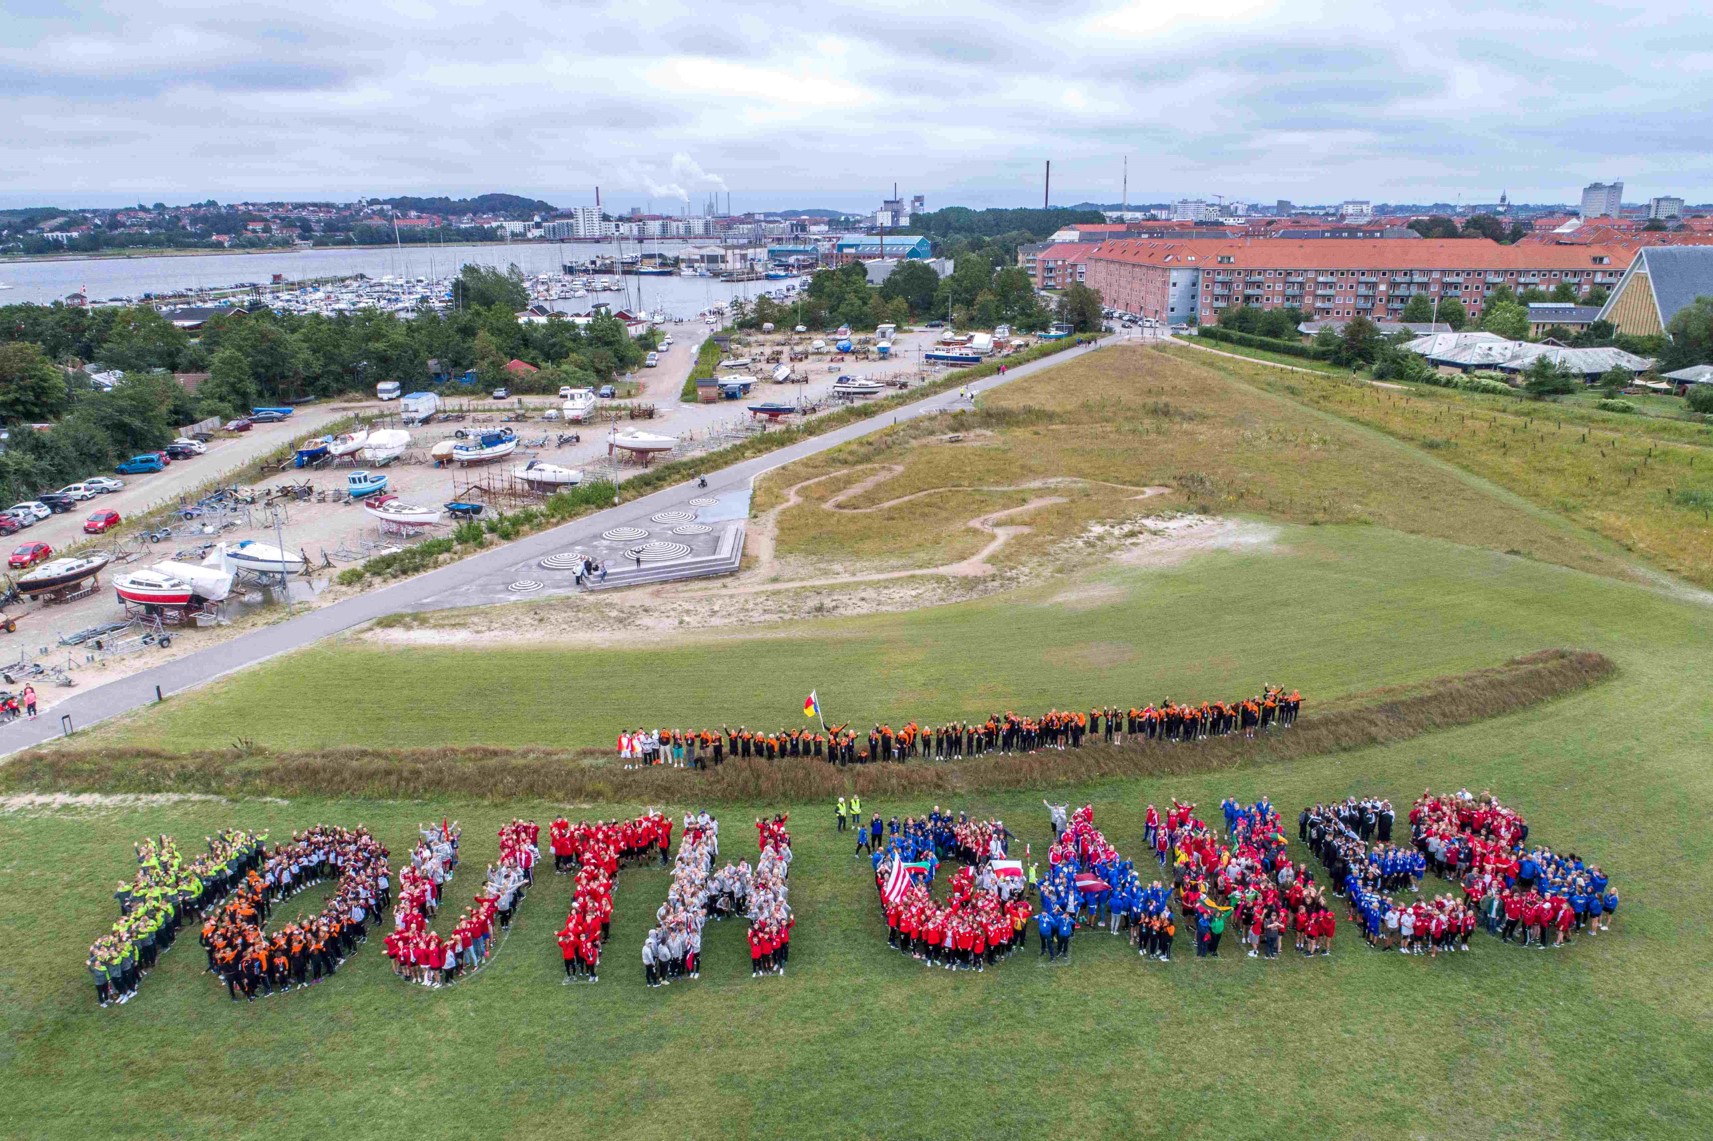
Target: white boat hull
548, 475
405, 516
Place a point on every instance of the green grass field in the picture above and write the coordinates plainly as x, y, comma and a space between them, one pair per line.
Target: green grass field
1610, 1038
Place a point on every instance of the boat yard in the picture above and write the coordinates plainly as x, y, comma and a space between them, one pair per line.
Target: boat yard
344, 508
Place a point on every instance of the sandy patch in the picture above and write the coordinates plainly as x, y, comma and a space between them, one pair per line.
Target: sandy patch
1167, 540
1092, 655
974, 438
1089, 596
32, 802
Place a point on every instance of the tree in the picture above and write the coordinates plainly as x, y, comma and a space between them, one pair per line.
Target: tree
230, 389
1418, 309
1544, 378
1614, 380
1597, 295
914, 282
1655, 226
1597, 333
1508, 320
1437, 226
1700, 399
1452, 312
1080, 308
1691, 333
1565, 293
1485, 226
1359, 342
479, 287
32, 388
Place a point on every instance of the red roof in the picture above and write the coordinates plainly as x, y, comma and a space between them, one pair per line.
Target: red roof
1071, 252
519, 367
1359, 253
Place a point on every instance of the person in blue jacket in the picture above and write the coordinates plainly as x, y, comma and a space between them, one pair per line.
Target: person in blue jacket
1063, 927
1044, 924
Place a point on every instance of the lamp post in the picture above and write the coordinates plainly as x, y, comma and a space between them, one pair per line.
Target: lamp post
279, 541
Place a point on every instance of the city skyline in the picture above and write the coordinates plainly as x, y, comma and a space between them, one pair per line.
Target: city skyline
108, 105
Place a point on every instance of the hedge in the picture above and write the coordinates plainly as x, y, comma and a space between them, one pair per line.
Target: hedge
1271, 344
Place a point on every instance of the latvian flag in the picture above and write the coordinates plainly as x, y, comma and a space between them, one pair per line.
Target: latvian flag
1006, 869
894, 880
1088, 881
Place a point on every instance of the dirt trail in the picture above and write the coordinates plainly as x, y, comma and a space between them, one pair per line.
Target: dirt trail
764, 530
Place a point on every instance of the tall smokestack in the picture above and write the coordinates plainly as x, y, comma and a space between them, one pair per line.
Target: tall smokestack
1047, 187
1125, 207
597, 197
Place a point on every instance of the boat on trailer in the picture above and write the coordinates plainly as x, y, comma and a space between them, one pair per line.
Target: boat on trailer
485, 447
644, 444
264, 558
386, 445
543, 474
61, 574
773, 409
363, 483
851, 387
392, 512
344, 445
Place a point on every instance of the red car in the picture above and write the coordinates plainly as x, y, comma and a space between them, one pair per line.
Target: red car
166, 460
100, 521
29, 555
239, 425
9, 525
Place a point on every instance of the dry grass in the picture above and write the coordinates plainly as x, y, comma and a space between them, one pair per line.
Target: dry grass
1378, 717
1641, 481
1138, 417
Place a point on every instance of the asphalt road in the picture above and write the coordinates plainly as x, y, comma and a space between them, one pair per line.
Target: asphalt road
441, 588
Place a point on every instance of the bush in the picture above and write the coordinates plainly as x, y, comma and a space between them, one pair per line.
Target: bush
1271, 344
1616, 406
1482, 384
469, 533
1700, 399
707, 360
399, 564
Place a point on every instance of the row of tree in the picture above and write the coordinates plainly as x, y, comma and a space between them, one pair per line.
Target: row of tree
975, 294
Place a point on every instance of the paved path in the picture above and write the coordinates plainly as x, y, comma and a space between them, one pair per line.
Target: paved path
448, 585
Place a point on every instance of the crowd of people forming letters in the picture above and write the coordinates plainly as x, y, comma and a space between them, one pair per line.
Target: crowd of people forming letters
421, 955
1207, 881
1239, 879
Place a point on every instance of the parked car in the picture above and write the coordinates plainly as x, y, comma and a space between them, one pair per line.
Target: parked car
100, 521
178, 451
138, 465
79, 491
502, 393
266, 416
33, 507
9, 525
565, 392
104, 483
241, 424
606, 392
29, 555
164, 457
21, 519
57, 503
196, 447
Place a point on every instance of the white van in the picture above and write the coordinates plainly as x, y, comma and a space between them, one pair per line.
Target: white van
387, 390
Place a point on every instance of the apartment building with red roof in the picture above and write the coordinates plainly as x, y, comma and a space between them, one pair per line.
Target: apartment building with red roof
1062, 264
1333, 279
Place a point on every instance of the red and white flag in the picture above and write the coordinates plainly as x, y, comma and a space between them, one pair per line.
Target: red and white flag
1008, 868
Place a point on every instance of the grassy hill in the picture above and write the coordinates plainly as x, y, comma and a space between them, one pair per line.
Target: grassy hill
1402, 580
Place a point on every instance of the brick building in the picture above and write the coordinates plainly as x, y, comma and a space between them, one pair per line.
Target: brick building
1334, 279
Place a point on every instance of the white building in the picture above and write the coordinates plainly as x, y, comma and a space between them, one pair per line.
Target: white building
1194, 210
1602, 200
1355, 209
586, 222
1665, 209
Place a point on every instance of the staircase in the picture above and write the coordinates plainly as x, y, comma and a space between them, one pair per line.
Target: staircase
724, 560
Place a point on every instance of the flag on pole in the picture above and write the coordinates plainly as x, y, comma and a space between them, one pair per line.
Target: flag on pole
812, 706
897, 880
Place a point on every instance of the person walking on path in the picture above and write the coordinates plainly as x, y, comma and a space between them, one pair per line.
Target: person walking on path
30, 701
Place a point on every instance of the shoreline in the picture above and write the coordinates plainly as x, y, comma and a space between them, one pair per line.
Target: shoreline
122, 255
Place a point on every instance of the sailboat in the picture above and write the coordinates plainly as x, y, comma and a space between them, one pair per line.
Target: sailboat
386, 445
344, 445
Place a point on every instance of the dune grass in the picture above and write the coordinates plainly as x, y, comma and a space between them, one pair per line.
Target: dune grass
1138, 417
1638, 480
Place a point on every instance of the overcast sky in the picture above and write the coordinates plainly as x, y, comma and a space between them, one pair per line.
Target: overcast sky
827, 104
